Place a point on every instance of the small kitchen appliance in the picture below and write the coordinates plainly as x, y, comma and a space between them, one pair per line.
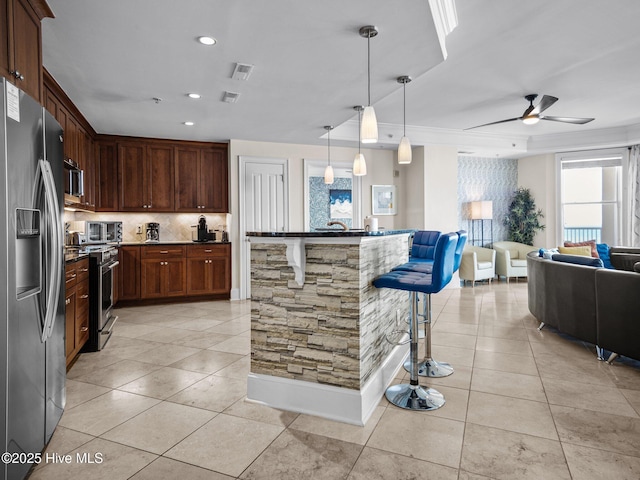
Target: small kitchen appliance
153, 232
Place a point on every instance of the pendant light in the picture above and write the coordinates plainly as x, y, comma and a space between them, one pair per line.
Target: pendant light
328, 172
359, 163
369, 127
404, 149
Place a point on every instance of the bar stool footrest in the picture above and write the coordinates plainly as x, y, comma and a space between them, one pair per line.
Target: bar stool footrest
414, 397
431, 368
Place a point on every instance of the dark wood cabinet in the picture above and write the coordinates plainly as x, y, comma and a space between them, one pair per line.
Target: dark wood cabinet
106, 177
145, 178
21, 43
208, 269
163, 271
76, 307
202, 180
129, 273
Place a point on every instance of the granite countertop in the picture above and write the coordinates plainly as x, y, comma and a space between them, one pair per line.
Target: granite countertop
325, 233
70, 257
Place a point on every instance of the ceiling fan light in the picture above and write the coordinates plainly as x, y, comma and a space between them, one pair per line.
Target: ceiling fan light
369, 127
531, 120
359, 165
404, 151
328, 175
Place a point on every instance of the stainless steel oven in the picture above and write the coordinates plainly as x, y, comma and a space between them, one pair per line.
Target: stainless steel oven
103, 261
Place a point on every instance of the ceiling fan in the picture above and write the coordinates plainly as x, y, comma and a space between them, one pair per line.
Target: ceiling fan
532, 115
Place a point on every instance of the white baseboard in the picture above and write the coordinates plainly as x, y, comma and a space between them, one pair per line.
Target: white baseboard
327, 401
235, 294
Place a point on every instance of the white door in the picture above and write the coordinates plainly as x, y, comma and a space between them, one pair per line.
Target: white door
264, 205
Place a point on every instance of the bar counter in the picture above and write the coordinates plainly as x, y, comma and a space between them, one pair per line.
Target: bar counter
318, 326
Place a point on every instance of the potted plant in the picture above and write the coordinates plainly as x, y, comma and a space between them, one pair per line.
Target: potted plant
523, 220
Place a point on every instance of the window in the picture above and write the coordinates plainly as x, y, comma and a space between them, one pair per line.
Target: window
591, 196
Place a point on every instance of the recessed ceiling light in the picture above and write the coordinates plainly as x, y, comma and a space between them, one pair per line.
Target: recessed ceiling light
188, 124
207, 40
193, 95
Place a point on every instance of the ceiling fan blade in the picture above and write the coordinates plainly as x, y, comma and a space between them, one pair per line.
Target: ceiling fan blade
578, 121
528, 111
495, 123
546, 102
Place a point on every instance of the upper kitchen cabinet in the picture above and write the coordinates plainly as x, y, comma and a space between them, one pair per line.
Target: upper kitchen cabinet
21, 43
106, 176
145, 177
202, 179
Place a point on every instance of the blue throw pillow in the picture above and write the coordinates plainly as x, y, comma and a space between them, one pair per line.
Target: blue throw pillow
603, 253
578, 260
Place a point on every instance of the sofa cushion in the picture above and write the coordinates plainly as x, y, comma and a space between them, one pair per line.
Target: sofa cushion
514, 253
578, 260
484, 265
603, 253
588, 243
636, 267
519, 262
584, 250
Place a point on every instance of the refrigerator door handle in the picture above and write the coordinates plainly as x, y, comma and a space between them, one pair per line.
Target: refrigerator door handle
55, 237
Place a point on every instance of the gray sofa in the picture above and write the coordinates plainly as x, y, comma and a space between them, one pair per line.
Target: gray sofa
597, 305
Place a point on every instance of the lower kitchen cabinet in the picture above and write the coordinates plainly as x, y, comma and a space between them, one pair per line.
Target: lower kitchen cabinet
76, 307
157, 272
163, 271
208, 269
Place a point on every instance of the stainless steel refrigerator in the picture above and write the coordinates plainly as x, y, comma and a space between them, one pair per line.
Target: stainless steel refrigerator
32, 355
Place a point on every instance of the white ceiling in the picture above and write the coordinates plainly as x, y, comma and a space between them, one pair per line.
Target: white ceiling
113, 57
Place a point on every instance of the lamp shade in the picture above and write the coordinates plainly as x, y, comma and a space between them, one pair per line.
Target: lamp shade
369, 127
359, 165
482, 210
328, 175
404, 151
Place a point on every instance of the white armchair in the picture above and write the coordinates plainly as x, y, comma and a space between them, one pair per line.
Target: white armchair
511, 259
478, 263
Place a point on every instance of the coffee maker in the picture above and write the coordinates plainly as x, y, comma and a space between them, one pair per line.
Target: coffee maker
203, 231
153, 232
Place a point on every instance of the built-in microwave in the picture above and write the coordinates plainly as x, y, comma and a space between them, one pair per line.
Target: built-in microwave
73, 182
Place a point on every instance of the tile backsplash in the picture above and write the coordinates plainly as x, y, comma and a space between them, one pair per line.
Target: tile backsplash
173, 226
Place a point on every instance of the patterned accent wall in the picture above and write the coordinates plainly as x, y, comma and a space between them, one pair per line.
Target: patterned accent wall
494, 179
319, 201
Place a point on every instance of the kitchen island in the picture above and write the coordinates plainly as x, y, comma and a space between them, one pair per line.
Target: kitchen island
319, 328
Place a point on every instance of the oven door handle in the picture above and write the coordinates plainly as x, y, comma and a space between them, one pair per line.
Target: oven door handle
114, 265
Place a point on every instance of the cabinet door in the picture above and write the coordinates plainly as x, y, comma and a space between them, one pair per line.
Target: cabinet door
214, 186
50, 102
220, 271
71, 138
152, 279
160, 184
132, 178
70, 323
129, 276
106, 182
82, 314
89, 171
198, 276
4, 38
187, 183
27, 50
175, 273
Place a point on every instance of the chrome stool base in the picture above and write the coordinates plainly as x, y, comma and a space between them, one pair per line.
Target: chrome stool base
431, 368
414, 397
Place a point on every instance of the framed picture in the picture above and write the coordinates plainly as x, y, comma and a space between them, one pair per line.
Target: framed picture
383, 200
340, 205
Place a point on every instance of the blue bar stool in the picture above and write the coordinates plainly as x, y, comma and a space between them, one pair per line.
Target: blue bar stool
413, 396
430, 367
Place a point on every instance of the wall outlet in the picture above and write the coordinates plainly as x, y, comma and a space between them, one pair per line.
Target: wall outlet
139, 229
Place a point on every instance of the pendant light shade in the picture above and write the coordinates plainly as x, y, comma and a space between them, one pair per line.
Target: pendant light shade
328, 172
404, 149
359, 163
369, 127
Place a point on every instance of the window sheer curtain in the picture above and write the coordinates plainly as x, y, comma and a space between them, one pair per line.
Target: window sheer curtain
633, 228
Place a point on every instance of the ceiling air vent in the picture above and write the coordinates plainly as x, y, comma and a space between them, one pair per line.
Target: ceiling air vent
230, 97
242, 71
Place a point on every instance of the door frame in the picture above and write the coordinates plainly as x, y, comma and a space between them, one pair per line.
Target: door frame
245, 250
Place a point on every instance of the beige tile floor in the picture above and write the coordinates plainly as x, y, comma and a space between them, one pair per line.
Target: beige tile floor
165, 400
